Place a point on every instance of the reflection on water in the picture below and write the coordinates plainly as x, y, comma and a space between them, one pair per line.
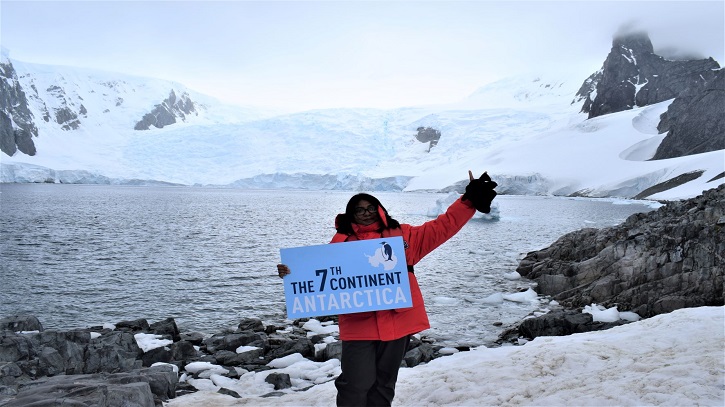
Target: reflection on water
77, 256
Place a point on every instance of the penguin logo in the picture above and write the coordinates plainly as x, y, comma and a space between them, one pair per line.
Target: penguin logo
383, 255
388, 251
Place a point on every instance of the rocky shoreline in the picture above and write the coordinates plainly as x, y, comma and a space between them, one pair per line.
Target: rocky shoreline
141, 364
653, 263
134, 363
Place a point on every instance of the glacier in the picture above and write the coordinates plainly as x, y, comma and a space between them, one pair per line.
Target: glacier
526, 131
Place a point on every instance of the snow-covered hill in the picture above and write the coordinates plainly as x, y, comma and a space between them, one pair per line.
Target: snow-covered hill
525, 131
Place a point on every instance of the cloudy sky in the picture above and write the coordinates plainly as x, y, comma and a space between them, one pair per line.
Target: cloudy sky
322, 54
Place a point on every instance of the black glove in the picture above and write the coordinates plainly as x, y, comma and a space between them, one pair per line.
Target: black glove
480, 192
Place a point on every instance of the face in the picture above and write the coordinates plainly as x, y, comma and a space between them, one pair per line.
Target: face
366, 213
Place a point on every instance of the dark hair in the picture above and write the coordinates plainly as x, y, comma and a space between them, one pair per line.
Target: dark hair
344, 221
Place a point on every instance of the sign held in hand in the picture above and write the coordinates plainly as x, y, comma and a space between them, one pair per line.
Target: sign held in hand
344, 278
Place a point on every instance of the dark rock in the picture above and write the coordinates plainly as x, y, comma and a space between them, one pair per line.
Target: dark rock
251, 324
17, 127
113, 352
228, 392
332, 351
273, 394
20, 323
234, 340
226, 357
67, 118
166, 327
57, 352
50, 362
428, 135
414, 342
653, 263
167, 112
561, 323
183, 351
256, 368
15, 347
230, 358
138, 325
254, 356
142, 388
669, 184
82, 393
9, 373
195, 338
421, 354
317, 339
156, 355
185, 388
302, 346
694, 121
279, 380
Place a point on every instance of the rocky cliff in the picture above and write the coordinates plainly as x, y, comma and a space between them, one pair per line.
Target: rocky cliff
16, 121
428, 135
167, 112
633, 75
653, 263
695, 121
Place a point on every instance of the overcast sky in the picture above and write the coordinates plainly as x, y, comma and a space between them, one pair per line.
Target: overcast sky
322, 54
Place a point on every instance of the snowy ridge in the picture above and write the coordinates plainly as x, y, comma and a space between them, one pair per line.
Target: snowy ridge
112, 99
526, 90
524, 131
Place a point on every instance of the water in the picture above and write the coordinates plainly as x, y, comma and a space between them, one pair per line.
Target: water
80, 255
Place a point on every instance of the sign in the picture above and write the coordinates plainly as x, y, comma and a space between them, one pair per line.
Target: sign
343, 278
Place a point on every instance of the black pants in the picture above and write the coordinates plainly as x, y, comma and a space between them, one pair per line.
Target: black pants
369, 372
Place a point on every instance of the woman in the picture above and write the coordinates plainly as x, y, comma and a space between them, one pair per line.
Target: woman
374, 343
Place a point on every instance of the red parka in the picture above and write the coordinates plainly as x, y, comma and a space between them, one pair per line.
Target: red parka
420, 240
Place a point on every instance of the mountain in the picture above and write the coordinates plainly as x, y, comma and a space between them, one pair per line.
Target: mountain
633, 75
695, 121
17, 128
70, 125
40, 101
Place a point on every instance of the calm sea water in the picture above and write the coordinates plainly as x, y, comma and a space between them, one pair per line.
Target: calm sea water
77, 256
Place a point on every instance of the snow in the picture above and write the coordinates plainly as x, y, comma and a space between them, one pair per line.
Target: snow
601, 314
196, 367
151, 341
673, 359
243, 349
523, 130
318, 328
525, 296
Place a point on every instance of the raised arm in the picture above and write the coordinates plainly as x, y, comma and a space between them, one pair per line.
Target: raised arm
425, 238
